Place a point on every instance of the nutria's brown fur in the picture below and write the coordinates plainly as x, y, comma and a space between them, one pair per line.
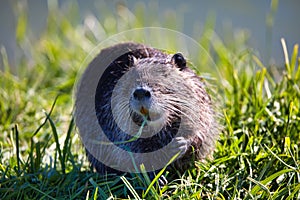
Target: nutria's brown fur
147, 87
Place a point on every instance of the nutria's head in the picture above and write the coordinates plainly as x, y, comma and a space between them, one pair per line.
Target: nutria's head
158, 90
150, 92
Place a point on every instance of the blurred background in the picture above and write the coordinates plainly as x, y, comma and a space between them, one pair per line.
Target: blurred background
260, 23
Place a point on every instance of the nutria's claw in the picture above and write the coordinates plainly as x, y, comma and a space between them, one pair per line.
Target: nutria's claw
162, 181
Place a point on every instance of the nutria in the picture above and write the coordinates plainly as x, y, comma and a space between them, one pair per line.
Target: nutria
139, 105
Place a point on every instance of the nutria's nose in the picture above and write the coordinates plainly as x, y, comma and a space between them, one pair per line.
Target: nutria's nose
141, 94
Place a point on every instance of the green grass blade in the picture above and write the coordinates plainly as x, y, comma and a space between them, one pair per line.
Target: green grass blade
294, 58
67, 143
289, 166
47, 115
56, 138
296, 190
286, 56
159, 174
15, 129
262, 184
131, 189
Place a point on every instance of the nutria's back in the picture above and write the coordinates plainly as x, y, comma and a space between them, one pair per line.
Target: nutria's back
148, 106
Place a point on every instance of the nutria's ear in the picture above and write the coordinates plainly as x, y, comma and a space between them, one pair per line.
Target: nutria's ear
131, 60
179, 61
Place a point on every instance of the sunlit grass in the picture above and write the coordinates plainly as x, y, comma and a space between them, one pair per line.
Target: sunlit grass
257, 155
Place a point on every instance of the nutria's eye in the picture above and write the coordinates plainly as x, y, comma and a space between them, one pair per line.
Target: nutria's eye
179, 60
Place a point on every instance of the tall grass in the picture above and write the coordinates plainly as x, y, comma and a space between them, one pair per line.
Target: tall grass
41, 157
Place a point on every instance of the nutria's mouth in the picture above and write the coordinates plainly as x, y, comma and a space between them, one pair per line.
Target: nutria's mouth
144, 114
144, 111
138, 119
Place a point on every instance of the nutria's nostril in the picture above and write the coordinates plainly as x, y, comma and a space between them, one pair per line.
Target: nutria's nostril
141, 93
147, 94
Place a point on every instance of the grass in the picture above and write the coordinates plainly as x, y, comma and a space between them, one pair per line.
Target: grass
41, 157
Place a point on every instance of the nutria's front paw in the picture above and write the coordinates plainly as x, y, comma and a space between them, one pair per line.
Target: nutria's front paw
180, 145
